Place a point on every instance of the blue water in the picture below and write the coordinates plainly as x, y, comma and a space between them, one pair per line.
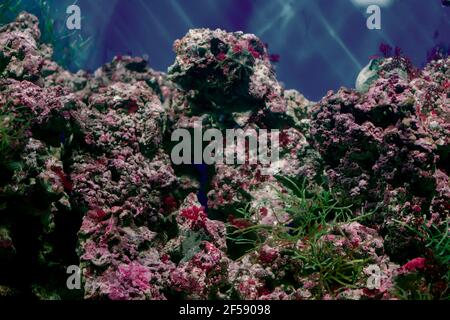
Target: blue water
322, 43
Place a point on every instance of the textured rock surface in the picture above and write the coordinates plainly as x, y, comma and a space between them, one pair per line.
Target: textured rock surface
86, 176
389, 148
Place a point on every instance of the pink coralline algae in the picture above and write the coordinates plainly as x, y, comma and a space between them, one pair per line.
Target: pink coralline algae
194, 213
386, 148
135, 277
414, 264
230, 62
268, 254
87, 178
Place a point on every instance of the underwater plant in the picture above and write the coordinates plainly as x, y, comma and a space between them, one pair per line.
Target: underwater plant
307, 240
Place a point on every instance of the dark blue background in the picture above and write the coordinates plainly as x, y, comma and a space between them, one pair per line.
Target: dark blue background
322, 43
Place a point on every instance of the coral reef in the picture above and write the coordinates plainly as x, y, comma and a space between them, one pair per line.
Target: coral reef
389, 148
361, 183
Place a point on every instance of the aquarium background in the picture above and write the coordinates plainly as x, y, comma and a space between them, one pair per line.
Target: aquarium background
322, 44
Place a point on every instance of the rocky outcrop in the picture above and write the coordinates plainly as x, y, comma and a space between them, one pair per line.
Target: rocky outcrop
87, 178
